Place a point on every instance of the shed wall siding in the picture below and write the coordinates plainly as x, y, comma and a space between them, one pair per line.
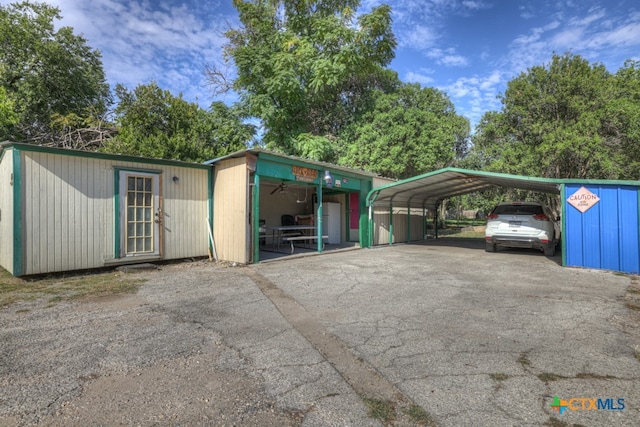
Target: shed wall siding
69, 216
380, 226
68, 212
185, 207
6, 210
230, 216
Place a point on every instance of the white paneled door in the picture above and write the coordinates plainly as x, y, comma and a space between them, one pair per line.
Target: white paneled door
140, 214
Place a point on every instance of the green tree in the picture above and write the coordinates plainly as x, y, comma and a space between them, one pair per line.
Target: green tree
624, 125
563, 120
304, 65
8, 117
152, 122
46, 72
409, 131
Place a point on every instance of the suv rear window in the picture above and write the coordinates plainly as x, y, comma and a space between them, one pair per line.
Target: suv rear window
518, 210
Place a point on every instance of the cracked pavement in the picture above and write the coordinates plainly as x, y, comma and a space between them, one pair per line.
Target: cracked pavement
470, 337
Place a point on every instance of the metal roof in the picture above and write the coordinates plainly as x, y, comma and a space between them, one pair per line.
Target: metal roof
427, 190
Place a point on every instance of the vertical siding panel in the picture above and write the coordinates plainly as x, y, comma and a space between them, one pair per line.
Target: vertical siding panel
30, 199
573, 230
185, 207
591, 234
381, 226
42, 217
66, 185
629, 230
609, 228
80, 207
230, 215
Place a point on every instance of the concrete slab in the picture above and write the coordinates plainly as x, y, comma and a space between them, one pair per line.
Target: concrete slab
476, 338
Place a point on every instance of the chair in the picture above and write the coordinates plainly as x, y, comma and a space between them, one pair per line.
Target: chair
288, 220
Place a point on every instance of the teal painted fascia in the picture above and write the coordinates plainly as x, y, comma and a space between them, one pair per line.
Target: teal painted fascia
17, 213
103, 156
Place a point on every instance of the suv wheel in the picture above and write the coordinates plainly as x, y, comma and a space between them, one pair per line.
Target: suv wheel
490, 247
550, 251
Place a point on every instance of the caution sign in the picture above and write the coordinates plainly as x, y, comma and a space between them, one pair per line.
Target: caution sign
583, 199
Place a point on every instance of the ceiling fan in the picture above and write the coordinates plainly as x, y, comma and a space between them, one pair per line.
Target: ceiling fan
281, 188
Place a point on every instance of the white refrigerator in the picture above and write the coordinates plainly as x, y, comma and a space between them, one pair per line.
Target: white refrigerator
331, 222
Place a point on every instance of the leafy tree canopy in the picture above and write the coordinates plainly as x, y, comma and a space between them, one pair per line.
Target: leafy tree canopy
304, 65
154, 123
46, 73
568, 119
409, 131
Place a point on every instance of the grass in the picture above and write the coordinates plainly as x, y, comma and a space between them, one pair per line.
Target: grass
591, 376
455, 232
382, 410
524, 360
419, 416
499, 376
57, 288
633, 306
548, 377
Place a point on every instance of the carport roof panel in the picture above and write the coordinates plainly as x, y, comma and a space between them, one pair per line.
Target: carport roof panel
429, 189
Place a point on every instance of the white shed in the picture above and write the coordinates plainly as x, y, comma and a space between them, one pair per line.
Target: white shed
63, 210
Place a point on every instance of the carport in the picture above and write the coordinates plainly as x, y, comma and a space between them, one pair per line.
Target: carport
603, 233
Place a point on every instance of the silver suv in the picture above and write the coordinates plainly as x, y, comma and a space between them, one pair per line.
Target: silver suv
522, 225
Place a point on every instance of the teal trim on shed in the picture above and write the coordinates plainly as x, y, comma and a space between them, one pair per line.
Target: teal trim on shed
17, 213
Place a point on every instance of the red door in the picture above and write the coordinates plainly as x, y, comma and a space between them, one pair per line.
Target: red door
354, 211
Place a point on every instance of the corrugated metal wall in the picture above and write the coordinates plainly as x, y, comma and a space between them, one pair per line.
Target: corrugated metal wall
381, 222
69, 219
607, 235
230, 216
6, 210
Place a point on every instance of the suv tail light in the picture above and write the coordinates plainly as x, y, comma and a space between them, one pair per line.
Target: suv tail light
492, 216
541, 217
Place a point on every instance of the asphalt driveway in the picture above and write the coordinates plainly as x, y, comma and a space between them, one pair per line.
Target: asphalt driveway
441, 334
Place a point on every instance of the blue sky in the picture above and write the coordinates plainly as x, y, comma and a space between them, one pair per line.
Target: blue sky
469, 49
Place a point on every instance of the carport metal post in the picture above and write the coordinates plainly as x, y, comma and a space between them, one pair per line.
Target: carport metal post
409, 219
409, 223
424, 221
319, 213
390, 223
435, 220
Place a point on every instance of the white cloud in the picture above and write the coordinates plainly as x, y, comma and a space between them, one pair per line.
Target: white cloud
143, 41
412, 77
418, 38
475, 5
453, 60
